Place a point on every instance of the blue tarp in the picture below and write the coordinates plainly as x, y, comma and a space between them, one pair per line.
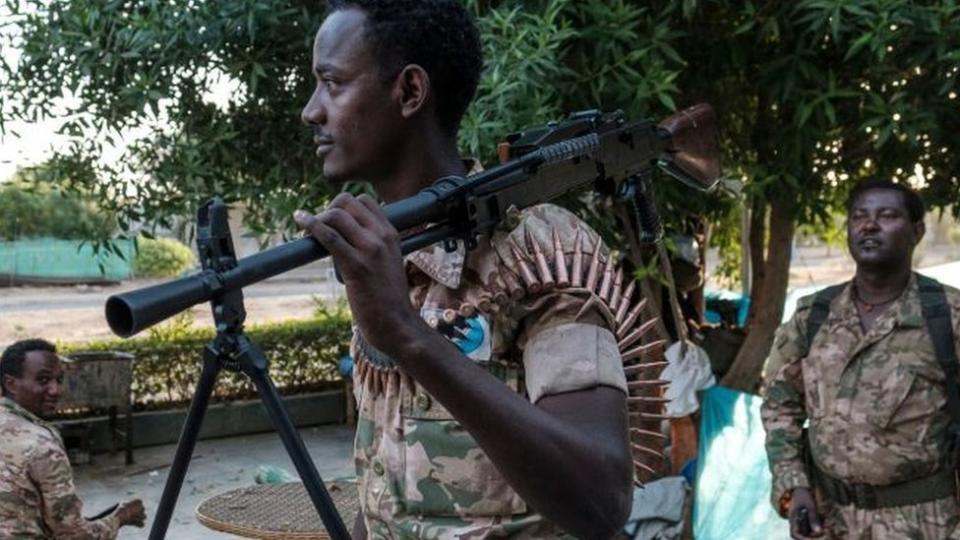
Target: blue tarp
732, 492
718, 303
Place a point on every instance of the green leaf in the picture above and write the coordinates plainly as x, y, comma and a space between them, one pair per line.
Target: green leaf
667, 101
857, 45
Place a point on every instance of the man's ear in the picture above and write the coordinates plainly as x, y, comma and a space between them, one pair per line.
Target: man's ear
412, 89
919, 228
8, 382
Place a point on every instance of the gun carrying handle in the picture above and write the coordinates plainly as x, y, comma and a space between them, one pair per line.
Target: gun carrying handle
692, 146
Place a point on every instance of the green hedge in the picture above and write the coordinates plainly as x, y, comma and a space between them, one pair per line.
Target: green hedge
161, 258
302, 357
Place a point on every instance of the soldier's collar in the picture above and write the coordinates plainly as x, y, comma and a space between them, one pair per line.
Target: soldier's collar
15, 408
443, 267
909, 309
906, 310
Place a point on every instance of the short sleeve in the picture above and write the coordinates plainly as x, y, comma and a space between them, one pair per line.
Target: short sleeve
566, 333
571, 356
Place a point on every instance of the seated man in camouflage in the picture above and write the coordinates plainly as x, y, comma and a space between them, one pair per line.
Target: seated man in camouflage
37, 496
492, 398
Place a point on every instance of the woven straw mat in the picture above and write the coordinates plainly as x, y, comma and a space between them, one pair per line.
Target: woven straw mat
276, 511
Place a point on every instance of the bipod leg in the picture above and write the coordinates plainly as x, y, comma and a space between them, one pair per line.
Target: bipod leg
254, 364
186, 444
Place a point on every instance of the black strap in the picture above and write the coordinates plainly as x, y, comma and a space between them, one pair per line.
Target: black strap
936, 312
820, 310
938, 485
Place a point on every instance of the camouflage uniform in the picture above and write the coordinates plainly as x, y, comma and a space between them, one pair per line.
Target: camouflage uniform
421, 474
876, 406
37, 497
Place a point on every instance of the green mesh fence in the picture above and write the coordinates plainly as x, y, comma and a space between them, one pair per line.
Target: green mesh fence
54, 260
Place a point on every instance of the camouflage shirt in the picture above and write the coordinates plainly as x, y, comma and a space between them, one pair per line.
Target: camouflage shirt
37, 497
421, 474
875, 400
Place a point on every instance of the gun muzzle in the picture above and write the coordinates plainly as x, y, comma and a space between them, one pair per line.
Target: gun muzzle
131, 312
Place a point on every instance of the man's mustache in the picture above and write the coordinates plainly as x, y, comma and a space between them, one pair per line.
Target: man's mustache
319, 137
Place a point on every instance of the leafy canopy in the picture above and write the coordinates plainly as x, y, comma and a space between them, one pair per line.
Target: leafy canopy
148, 68
810, 94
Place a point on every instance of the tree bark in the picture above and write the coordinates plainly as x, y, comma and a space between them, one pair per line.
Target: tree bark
758, 257
767, 306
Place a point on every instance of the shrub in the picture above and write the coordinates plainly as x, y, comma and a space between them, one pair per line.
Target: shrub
161, 258
302, 357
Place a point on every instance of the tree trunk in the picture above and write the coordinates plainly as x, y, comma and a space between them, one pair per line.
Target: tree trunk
758, 257
767, 302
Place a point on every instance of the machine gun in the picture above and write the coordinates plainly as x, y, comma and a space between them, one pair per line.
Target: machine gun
589, 149
604, 151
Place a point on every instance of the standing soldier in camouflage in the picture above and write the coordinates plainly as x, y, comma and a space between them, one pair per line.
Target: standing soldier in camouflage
37, 497
865, 363
491, 392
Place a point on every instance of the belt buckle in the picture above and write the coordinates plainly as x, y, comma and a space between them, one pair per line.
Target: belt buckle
864, 496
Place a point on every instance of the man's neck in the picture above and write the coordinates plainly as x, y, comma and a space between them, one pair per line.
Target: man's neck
881, 284
426, 159
12, 405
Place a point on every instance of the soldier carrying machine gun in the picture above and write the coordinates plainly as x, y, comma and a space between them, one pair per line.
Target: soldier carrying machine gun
519, 427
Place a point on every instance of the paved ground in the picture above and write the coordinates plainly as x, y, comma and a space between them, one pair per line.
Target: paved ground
75, 313
217, 466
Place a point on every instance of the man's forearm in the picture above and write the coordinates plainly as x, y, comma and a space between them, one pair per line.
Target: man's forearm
70, 525
573, 468
783, 416
62, 509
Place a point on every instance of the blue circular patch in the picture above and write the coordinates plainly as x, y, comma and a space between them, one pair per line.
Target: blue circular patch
472, 337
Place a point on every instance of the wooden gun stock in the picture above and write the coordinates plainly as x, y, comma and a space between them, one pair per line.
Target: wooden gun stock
692, 150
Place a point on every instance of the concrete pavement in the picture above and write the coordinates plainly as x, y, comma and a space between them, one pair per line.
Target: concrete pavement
217, 466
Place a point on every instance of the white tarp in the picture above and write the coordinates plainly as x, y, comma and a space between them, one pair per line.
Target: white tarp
687, 374
657, 512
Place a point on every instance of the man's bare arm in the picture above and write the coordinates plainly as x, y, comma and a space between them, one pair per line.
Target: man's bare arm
568, 456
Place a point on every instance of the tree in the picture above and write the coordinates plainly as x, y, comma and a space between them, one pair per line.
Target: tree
816, 94
811, 95
145, 69
149, 67
32, 208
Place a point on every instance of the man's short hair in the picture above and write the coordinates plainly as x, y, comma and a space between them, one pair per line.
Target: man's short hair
11, 363
911, 199
438, 35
